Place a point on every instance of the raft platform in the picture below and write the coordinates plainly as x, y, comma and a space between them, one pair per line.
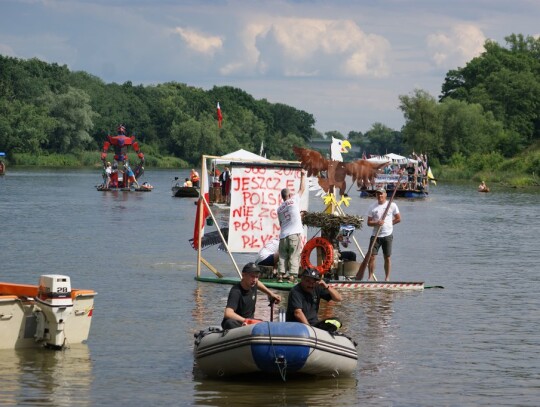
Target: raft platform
338, 284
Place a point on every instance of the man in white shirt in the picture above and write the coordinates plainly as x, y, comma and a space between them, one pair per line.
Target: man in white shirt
382, 231
268, 255
290, 237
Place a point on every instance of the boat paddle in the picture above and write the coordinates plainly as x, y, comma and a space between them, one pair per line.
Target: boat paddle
271, 305
367, 257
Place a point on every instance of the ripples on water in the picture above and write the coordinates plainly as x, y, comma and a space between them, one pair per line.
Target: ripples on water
473, 343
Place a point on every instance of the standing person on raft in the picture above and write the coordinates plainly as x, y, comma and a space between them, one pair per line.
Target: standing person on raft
290, 237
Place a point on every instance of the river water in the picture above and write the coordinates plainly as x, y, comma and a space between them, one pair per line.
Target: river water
475, 342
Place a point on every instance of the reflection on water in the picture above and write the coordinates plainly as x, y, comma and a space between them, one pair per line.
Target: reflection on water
473, 343
305, 391
46, 377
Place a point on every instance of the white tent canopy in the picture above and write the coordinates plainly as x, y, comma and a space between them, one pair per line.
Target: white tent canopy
239, 155
394, 158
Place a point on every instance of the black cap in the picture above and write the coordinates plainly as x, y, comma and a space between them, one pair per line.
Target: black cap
312, 273
251, 268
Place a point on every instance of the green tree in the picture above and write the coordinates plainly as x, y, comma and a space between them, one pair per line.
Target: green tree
423, 124
468, 129
335, 134
24, 128
504, 81
72, 116
383, 140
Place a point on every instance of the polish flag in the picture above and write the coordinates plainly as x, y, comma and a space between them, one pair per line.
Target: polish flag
219, 116
199, 228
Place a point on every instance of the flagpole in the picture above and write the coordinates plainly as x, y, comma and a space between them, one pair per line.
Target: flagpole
202, 201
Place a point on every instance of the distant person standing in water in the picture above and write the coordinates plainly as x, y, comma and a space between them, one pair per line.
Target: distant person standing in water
483, 187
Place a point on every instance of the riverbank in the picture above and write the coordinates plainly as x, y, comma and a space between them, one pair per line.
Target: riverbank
517, 172
88, 159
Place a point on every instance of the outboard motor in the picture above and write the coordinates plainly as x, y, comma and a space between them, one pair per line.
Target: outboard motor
54, 306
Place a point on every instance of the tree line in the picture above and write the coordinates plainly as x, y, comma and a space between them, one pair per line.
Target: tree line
46, 108
490, 106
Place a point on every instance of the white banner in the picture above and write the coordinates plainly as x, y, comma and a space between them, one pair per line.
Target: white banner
255, 197
388, 178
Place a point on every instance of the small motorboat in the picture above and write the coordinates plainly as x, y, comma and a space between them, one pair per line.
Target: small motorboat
180, 191
185, 192
50, 314
278, 348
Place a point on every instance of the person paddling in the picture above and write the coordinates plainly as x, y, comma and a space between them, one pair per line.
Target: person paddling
483, 187
240, 308
382, 232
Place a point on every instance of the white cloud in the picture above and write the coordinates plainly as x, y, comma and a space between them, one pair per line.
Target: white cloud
346, 62
302, 47
7, 50
460, 45
204, 44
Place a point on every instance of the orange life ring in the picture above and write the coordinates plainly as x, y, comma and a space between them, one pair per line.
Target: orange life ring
323, 244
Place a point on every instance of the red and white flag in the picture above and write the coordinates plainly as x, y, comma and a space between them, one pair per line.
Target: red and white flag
219, 116
199, 228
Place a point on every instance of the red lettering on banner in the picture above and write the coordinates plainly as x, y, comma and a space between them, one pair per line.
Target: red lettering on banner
244, 210
268, 213
255, 198
266, 238
288, 172
259, 198
269, 183
289, 184
247, 224
254, 242
250, 242
255, 170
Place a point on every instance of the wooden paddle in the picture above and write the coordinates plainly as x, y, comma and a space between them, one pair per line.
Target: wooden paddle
271, 305
367, 257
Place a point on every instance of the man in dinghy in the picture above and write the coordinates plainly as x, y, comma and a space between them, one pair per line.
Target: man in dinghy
240, 308
194, 178
304, 300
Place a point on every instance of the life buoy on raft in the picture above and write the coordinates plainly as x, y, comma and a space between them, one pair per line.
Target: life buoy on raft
323, 244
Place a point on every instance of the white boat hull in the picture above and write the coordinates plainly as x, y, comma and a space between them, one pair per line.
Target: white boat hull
282, 348
20, 314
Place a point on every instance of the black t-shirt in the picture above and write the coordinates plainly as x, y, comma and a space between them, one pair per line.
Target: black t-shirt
224, 176
308, 302
242, 301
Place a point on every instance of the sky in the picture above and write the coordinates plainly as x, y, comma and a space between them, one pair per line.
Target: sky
344, 61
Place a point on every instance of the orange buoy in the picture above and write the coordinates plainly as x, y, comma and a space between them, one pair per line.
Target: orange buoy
326, 246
